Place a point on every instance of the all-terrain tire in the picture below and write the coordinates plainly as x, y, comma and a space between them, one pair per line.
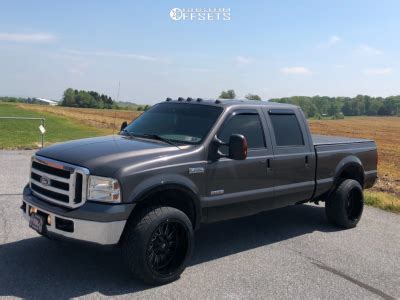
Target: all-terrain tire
157, 244
345, 206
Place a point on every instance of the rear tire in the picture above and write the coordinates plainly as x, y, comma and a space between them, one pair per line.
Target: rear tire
345, 206
157, 244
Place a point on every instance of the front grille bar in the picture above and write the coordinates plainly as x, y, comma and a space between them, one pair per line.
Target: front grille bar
50, 176
50, 169
50, 188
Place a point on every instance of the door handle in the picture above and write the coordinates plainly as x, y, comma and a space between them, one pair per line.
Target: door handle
268, 165
306, 161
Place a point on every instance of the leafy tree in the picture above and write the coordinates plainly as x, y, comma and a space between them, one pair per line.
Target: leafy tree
252, 97
69, 98
87, 99
229, 94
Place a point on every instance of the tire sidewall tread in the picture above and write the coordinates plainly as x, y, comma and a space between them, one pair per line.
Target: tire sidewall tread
138, 231
335, 206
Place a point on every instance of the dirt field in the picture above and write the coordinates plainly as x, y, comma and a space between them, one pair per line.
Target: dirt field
385, 131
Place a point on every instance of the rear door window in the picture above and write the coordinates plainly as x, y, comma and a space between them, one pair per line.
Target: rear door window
287, 130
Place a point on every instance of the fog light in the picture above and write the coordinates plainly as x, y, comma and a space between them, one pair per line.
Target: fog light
48, 220
33, 210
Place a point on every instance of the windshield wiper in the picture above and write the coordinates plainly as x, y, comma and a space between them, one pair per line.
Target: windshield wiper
160, 138
154, 137
150, 136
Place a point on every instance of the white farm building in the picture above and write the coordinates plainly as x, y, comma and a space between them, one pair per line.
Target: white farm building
45, 101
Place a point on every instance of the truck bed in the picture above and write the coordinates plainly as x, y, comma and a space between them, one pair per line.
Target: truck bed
334, 151
329, 140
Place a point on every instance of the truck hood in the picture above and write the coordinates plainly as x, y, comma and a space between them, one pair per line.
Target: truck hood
105, 155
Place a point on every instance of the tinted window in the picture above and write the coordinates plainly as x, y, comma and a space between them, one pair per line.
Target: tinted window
249, 125
185, 123
287, 130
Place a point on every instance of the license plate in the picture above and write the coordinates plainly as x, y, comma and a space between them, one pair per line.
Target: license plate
36, 222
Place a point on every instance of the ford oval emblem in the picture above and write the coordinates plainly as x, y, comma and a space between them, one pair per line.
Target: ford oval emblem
44, 180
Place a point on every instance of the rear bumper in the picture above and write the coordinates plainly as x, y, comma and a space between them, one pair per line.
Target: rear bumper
97, 223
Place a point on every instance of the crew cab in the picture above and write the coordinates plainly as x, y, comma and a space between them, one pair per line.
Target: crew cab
187, 162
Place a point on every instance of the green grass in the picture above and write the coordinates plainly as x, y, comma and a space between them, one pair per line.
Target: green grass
25, 134
382, 200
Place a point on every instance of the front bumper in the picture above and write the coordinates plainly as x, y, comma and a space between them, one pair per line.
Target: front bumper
93, 222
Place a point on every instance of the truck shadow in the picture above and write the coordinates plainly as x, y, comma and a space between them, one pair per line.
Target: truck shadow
41, 268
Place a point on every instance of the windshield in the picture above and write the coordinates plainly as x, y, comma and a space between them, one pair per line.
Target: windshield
176, 122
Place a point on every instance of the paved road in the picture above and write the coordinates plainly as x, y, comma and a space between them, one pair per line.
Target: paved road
286, 253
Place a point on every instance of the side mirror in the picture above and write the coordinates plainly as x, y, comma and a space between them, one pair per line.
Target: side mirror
123, 125
237, 147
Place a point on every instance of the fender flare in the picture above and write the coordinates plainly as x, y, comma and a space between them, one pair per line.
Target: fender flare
162, 183
351, 161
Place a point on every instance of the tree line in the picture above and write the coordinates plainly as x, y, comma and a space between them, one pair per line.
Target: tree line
230, 94
361, 105
86, 99
92, 99
313, 107
13, 99
336, 107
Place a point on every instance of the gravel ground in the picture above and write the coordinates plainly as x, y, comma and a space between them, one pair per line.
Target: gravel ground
286, 253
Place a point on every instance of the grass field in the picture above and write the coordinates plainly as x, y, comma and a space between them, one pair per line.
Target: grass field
24, 134
63, 125
382, 200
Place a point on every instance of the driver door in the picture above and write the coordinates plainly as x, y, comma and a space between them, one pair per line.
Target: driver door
241, 181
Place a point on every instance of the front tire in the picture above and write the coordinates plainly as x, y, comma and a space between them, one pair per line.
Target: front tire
345, 206
158, 244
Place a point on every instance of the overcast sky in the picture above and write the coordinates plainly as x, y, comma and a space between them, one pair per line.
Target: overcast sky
270, 48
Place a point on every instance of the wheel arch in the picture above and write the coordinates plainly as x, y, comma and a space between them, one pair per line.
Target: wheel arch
349, 168
174, 194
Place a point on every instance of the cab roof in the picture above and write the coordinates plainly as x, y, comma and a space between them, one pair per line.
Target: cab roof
230, 102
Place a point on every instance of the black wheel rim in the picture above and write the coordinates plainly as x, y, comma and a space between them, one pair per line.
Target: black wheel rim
167, 248
354, 205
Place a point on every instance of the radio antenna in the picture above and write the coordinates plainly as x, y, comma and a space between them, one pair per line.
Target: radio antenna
115, 110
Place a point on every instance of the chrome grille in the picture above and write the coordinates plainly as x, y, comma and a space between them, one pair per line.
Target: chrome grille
58, 182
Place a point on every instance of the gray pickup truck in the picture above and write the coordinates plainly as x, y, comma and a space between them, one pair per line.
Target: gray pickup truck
187, 162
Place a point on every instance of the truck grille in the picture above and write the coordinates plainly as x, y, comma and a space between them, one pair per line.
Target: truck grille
58, 182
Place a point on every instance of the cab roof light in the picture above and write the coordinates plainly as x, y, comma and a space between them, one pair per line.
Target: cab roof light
181, 99
189, 99
168, 99
218, 101
199, 99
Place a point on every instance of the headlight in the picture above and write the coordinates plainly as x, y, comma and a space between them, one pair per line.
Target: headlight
103, 189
